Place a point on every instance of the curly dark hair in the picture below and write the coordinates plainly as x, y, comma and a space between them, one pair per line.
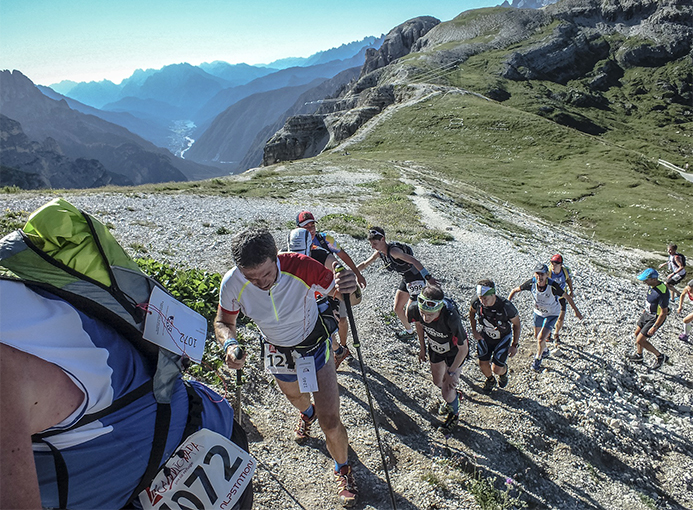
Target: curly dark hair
252, 247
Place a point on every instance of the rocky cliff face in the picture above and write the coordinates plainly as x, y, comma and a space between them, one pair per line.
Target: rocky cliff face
653, 33
357, 104
398, 42
572, 39
33, 165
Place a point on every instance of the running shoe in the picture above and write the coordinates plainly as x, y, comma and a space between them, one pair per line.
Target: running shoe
661, 359
635, 357
444, 408
340, 355
546, 353
405, 335
346, 486
302, 430
683, 337
503, 379
449, 425
490, 383
536, 365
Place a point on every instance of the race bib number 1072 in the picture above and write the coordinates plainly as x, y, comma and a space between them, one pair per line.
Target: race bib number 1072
207, 471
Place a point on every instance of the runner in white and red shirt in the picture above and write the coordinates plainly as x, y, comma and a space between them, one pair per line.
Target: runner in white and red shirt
278, 293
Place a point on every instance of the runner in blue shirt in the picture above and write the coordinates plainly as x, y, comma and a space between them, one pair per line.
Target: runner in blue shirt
652, 318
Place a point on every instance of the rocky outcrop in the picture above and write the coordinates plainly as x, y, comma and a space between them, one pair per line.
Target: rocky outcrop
567, 54
398, 42
644, 33
303, 136
306, 136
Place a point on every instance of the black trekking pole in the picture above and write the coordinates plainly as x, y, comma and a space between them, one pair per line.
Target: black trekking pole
238, 353
357, 344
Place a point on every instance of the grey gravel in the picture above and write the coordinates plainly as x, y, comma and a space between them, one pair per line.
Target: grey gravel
590, 431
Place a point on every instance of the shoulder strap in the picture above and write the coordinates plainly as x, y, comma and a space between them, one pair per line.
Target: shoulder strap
322, 241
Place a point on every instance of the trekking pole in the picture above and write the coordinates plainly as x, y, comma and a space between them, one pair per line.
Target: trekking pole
238, 353
357, 344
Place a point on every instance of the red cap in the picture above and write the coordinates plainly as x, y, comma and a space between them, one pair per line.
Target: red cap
557, 258
304, 217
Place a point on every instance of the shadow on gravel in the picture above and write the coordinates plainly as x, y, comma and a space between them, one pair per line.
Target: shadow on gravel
387, 395
627, 378
556, 427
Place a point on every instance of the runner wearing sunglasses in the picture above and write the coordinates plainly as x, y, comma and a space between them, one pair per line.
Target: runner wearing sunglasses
448, 346
399, 257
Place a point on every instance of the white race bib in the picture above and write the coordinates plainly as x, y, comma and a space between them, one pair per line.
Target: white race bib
276, 362
306, 373
415, 288
175, 327
492, 333
208, 471
439, 348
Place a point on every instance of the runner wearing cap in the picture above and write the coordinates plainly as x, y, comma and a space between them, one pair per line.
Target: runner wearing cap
305, 219
448, 346
500, 332
399, 257
688, 319
547, 308
652, 318
560, 273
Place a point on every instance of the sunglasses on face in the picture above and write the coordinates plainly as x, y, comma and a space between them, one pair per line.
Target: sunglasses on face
427, 303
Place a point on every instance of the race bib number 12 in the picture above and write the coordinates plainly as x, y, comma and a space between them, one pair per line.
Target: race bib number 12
207, 471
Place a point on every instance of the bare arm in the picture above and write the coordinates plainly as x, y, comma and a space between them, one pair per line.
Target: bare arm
660, 320
513, 292
517, 327
225, 329
34, 395
368, 261
472, 323
569, 298
398, 254
351, 265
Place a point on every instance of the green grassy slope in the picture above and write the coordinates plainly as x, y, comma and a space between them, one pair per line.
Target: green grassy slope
561, 174
571, 153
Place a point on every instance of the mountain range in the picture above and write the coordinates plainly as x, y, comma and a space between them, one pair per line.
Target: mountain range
125, 127
226, 118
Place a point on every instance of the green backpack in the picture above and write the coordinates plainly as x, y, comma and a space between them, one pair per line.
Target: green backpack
72, 255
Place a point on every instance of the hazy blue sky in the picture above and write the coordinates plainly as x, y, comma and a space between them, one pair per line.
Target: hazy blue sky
83, 40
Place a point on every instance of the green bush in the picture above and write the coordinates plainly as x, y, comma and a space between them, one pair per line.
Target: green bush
198, 290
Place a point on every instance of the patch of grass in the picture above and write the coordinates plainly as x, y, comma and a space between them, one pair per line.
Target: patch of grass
355, 226
553, 171
222, 231
594, 473
10, 189
432, 479
144, 223
138, 247
489, 498
12, 220
647, 501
